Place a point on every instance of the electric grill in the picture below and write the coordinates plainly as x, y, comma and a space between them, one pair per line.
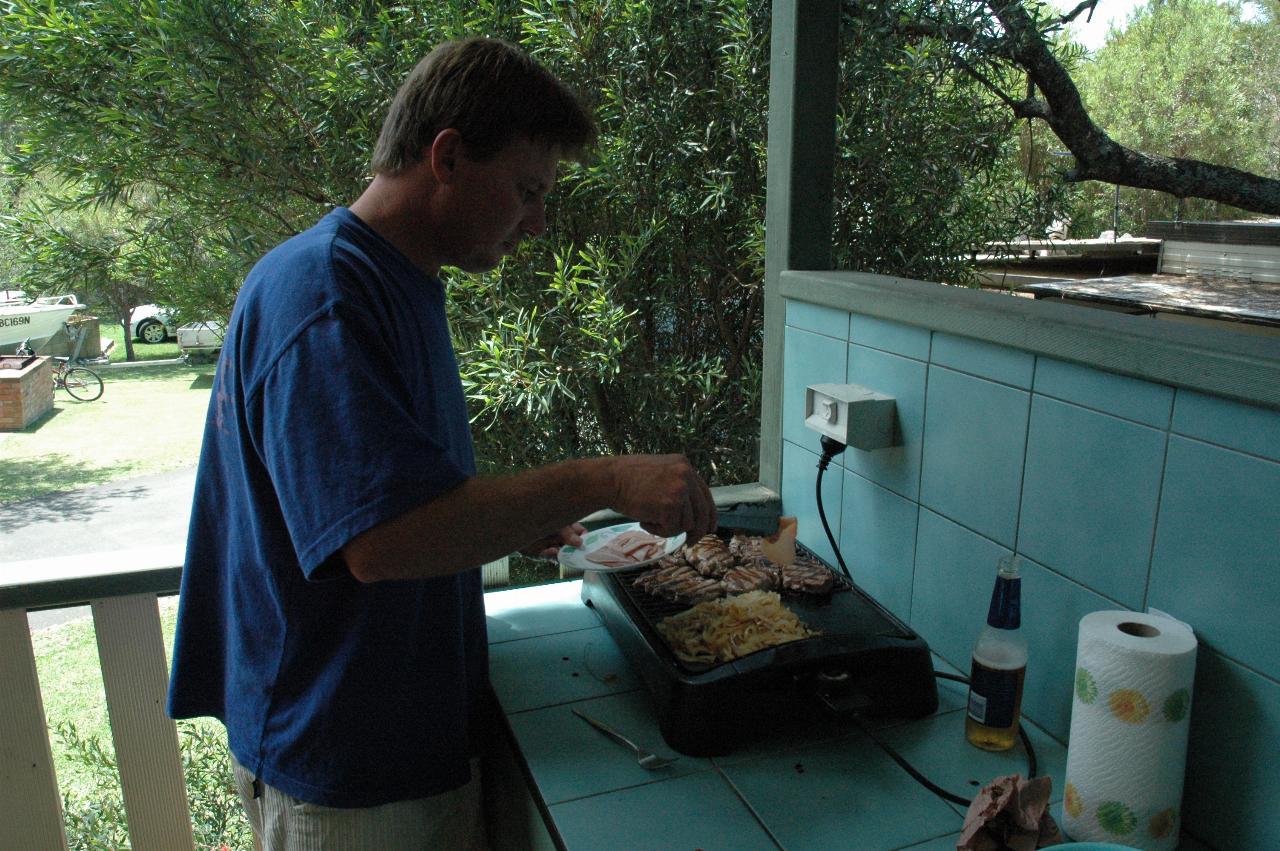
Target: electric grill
865, 661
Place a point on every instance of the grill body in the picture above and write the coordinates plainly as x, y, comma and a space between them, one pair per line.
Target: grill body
865, 661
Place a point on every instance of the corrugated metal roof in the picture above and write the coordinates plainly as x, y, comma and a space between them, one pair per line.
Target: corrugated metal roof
1233, 233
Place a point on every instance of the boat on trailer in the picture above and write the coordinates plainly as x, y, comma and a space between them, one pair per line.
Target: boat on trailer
34, 319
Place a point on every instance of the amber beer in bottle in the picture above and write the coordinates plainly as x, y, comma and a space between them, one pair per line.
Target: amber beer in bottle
999, 666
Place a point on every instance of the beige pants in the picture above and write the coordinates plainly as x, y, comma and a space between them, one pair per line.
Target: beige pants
451, 820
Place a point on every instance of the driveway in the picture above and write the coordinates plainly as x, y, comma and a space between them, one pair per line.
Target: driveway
133, 513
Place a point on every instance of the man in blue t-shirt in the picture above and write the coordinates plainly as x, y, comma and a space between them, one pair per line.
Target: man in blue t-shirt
331, 612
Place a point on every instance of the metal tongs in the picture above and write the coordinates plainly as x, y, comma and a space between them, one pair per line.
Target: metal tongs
647, 759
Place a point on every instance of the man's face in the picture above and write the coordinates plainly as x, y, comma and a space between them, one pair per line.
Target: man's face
499, 202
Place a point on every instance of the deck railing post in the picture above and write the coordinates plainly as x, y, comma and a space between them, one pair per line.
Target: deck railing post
135, 677
30, 806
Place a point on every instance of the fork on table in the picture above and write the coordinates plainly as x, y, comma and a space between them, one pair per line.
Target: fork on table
647, 759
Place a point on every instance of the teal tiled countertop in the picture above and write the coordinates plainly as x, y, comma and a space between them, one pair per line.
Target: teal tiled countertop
831, 788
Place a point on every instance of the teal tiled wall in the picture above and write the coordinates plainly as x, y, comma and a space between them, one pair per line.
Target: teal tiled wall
1120, 493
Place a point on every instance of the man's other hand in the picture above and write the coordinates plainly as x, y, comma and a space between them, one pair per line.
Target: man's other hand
549, 546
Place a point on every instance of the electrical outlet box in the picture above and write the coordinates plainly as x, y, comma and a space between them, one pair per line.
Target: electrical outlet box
854, 415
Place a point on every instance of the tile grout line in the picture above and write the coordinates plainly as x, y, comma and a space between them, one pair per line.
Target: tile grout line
1155, 519
1223, 446
919, 500
1097, 410
1050, 568
1026, 446
743, 798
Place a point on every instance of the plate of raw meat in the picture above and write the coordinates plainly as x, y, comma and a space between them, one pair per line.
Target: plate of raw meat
622, 547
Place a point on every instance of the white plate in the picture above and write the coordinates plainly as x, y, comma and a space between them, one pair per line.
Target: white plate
576, 557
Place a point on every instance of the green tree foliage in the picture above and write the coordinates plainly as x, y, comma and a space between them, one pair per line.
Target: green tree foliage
108, 255
638, 320
11, 262
208, 131
1185, 78
1262, 37
214, 128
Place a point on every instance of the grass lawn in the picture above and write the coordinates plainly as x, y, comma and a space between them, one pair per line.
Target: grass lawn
150, 419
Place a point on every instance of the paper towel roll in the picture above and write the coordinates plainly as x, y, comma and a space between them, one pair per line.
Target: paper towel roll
1129, 719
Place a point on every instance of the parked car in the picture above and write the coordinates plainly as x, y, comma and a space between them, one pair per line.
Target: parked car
200, 341
152, 324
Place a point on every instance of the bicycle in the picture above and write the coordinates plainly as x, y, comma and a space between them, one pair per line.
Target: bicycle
80, 382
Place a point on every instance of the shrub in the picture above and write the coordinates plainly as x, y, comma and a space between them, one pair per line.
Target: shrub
95, 816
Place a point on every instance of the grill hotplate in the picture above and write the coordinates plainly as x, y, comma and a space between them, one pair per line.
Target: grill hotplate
864, 660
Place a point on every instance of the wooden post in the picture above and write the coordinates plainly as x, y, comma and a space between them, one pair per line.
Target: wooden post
136, 680
803, 75
30, 806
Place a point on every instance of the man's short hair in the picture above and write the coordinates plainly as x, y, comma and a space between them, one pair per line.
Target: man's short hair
491, 92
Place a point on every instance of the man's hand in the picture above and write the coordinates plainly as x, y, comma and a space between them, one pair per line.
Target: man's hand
549, 546
484, 518
665, 494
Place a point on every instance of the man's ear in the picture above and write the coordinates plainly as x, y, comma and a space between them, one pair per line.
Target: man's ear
445, 150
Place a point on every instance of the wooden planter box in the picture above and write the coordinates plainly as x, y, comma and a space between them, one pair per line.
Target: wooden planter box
26, 390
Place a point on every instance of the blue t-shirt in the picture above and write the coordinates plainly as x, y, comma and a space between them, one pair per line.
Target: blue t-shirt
336, 406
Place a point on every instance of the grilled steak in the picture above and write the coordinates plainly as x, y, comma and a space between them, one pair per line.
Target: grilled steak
710, 568
745, 547
679, 583
667, 569
748, 577
710, 556
692, 589
807, 576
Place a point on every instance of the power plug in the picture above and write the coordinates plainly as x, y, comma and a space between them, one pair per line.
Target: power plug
851, 414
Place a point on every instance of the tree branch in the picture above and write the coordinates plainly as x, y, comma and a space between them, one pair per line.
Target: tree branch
1075, 13
1031, 108
1020, 41
1098, 156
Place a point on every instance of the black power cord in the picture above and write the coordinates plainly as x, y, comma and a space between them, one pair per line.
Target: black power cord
830, 449
925, 781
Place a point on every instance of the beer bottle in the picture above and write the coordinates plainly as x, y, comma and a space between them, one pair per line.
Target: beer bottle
999, 665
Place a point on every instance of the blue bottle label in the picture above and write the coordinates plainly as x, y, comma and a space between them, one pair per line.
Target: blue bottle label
994, 695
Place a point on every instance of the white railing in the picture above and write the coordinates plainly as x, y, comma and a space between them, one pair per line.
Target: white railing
121, 588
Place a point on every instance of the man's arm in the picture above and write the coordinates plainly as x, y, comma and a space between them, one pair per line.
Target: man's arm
486, 518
